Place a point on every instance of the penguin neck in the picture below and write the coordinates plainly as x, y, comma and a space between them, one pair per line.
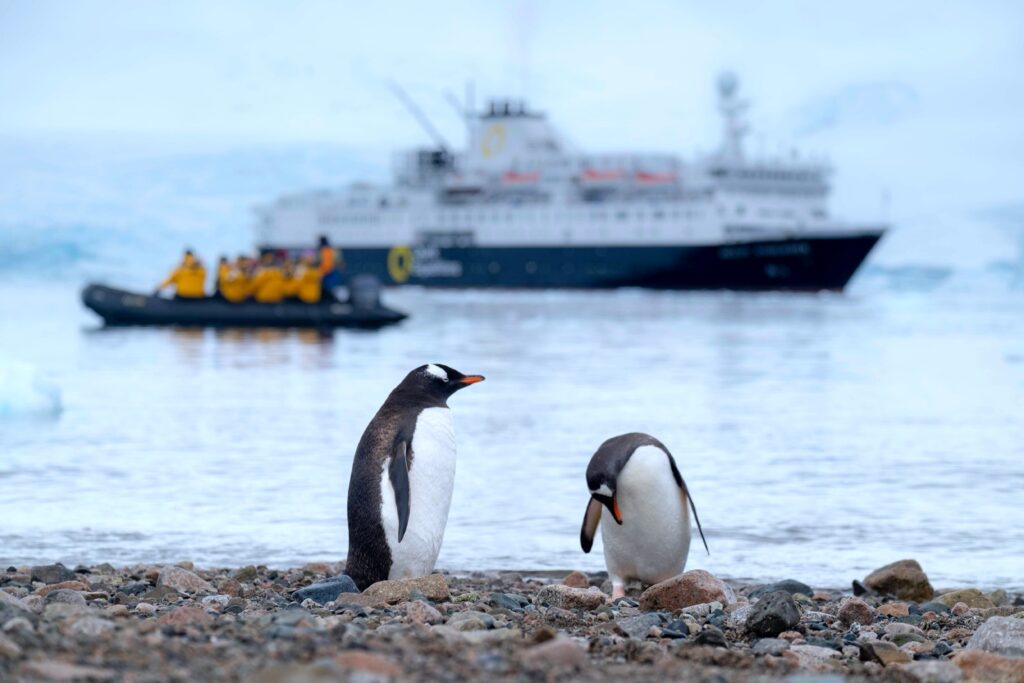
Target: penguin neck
411, 397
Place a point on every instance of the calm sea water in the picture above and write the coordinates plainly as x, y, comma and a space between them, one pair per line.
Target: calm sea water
821, 436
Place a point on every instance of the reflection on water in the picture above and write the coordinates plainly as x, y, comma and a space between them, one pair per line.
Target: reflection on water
821, 435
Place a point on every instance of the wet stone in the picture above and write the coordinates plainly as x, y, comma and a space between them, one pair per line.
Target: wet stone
790, 586
1002, 635
567, 597
66, 595
638, 626
772, 614
327, 590
905, 579
694, 587
52, 573
770, 646
509, 601
711, 636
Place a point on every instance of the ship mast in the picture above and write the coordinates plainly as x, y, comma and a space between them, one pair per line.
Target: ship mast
732, 108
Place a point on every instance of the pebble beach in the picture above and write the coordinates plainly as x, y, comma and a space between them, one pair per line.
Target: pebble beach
182, 623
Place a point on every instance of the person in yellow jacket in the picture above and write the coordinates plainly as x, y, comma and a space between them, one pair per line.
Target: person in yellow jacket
307, 277
237, 284
268, 285
291, 285
223, 271
189, 278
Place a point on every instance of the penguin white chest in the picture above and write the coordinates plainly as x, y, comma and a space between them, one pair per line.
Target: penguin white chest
653, 540
431, 480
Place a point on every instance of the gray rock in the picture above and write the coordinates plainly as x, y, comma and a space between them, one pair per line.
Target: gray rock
220, 600
711, 636
638, 626
509, 601
471, 620
740, 615
90, 626
13, 604
772, 614
567, 597
65, 595
52, 573
770, 646
934, 606
933, 671
324, 591
1002, 635
790, 586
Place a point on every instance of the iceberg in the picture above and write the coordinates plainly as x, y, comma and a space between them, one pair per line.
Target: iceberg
23, 393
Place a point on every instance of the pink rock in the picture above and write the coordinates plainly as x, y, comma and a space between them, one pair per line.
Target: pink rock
576, 580
905, 579
855, 611
420, 612
183, 580
894, 609
369, 663
559, 652
689, 588
183, 616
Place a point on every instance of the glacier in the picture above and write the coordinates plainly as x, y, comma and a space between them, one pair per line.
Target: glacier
23, 393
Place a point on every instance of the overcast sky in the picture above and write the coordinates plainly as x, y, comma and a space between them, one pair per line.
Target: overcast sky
924, 100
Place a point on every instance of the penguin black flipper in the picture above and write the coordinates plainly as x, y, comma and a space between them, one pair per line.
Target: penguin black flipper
686, 492
591, 518
398, 473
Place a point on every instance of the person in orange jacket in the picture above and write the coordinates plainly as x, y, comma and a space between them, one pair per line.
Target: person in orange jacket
331, 265
189, 279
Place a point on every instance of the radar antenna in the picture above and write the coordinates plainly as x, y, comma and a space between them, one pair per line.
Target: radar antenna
420, 117
732, 109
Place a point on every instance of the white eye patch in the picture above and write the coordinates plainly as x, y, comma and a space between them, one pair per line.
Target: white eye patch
437, 372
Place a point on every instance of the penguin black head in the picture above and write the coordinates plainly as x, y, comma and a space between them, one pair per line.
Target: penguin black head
436, 382
606, 464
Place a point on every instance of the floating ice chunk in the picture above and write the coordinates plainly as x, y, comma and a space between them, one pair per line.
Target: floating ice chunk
24, 393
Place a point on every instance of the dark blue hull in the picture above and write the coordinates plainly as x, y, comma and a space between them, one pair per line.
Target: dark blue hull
818, 263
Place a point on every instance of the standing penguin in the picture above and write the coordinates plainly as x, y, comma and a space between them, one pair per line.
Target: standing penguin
633, 479
402, 477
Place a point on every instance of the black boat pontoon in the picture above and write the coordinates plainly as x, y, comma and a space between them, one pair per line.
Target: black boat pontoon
120, 307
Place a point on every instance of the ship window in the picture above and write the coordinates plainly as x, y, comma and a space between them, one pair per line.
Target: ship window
494, 267
531, 267
658, 214
621, 215
741, 210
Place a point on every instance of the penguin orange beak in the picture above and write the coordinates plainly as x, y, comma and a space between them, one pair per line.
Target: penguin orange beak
612, 503
616, 513
471, 379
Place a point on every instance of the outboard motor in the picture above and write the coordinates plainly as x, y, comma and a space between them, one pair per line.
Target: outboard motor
364, 291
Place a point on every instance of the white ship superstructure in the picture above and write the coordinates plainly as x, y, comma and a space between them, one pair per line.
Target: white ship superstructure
519, 185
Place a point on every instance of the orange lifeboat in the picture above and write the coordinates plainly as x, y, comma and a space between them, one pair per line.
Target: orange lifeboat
652, 178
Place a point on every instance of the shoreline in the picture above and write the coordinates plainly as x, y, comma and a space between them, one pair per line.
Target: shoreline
177, 622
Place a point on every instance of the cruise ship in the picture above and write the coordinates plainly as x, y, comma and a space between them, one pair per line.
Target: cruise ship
521, 207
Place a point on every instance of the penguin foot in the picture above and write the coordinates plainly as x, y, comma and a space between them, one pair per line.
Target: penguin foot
618, 590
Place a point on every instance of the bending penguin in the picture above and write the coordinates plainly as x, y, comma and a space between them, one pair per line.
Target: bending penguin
402, 477
634, 481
